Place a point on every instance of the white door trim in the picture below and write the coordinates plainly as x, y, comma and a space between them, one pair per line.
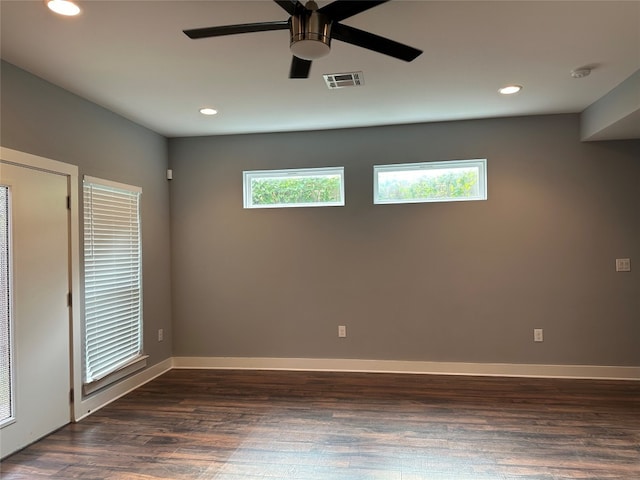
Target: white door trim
28, 160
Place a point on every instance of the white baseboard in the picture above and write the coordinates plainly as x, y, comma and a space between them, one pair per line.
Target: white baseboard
90, 404
414, 367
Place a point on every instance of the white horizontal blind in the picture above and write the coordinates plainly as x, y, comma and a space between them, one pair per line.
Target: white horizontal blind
113, 283
6, 362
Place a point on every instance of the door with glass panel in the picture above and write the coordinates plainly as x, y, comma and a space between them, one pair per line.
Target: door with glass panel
35, 332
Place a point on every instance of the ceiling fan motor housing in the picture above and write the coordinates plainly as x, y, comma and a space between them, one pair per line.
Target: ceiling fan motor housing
310, 35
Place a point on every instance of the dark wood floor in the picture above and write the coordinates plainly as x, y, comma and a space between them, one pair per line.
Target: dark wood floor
233, 425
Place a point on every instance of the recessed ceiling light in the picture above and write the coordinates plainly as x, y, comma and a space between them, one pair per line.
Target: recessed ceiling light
208, 111
63, 7
510, 89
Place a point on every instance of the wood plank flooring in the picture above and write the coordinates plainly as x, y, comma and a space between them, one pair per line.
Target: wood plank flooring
241, 425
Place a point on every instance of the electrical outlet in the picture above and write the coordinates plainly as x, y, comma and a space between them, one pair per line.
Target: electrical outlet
342, 331
160, 334
538, 335
623, 264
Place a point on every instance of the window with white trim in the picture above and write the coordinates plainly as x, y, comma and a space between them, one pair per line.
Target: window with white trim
449, 181
299, 187
6, 357
112, 279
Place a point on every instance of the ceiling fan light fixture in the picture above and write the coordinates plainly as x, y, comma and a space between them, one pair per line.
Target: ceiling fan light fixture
310, 49
63, 7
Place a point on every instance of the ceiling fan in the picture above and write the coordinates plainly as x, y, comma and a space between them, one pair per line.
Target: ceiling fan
312, 29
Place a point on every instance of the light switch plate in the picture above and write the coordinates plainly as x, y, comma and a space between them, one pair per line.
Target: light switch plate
623, 264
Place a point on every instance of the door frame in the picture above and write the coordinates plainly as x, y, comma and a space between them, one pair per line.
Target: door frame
27, 160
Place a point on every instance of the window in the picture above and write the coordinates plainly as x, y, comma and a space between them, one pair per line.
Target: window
6, 374
449, 181
113, 283
302, 187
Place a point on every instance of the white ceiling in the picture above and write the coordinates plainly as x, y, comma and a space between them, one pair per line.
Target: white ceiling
132, 58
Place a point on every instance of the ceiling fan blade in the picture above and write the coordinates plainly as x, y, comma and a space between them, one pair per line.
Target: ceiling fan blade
374, 42
234, 29
291, 6
299, 68
341, 9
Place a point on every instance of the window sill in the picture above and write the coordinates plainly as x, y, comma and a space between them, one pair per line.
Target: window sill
133, 366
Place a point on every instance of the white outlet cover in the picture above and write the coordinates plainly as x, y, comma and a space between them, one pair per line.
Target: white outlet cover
538, 335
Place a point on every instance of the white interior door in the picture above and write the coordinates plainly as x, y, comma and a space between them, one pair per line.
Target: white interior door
39, 285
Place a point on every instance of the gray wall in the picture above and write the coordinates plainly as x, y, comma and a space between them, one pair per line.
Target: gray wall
461, 281
42, 119
465, 281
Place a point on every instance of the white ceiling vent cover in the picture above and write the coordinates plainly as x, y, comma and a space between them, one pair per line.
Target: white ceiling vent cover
341, 80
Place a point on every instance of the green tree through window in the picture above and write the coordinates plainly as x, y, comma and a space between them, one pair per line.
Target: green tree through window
458, 184
430, 182
269, 191
296, 187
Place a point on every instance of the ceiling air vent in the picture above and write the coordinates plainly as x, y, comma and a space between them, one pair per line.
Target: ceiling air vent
341, 80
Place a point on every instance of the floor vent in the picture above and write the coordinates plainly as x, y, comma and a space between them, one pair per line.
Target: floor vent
341, 80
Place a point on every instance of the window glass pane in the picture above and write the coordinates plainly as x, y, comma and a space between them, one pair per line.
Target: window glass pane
430, 182
294, 188
112, 266
6, 404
